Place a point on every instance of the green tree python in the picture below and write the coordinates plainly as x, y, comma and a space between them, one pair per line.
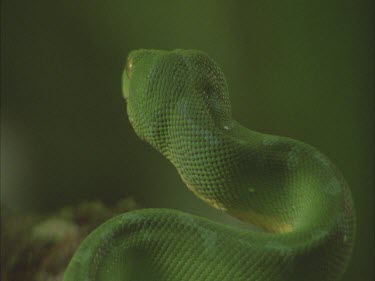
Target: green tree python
178, 102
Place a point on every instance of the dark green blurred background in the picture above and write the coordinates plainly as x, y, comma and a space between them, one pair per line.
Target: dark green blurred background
302, 69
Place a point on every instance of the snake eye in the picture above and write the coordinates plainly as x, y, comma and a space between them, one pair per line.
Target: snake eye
128, 68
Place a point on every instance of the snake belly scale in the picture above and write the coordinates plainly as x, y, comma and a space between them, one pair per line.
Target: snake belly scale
178, 102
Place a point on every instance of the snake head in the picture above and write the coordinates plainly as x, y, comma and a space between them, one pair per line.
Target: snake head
162, 88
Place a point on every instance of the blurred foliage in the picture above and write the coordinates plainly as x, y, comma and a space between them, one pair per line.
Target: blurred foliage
39, 247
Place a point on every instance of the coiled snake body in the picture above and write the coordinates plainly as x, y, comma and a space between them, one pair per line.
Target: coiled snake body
178, 102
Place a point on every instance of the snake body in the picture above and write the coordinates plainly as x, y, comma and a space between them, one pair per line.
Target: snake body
178, 102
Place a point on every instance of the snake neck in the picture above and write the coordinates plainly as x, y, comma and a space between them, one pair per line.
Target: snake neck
259, 179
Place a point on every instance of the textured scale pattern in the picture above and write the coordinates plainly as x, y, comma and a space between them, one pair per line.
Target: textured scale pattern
178, 102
